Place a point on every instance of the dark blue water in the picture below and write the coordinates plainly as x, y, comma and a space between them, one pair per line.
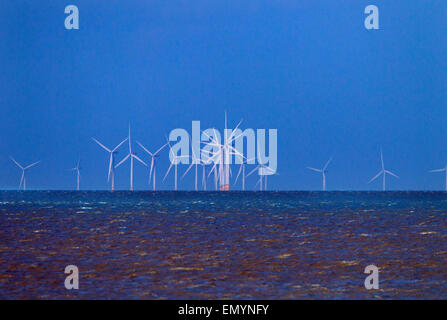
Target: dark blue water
238, 245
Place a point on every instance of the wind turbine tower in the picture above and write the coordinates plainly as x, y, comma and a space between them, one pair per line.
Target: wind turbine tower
78, 174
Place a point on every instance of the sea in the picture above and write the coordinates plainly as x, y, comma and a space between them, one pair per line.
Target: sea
223, 245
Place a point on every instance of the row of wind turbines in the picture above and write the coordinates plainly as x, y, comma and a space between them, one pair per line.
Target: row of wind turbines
383, 172
218, 160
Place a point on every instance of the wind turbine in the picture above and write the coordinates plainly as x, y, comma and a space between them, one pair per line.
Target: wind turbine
78, 173
23, 178
383, 172
242, 169
111, 160
131, 156
261, 176
153, 162
323, 172
442, 170
173, 163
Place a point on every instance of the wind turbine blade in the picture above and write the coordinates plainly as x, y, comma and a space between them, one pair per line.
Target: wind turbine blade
251, 172
205, 161
212, 169
136, 157
236, 152
187, 170
327, 163
101, 145
378, 175
167, 172
268, 169
209, 137
161, 148
31, 165
394, 175
170, 148
121, 162
225, 119
130, 142
238, 173
249, 160
381, 159
18, 164
238, 156
211, 159
119, 145
233, 132
236, 137
313, 169
437, 170
144, 148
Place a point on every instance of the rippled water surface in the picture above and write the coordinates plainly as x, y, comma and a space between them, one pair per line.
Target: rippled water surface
251, 245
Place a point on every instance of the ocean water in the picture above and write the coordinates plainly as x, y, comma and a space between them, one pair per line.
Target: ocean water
223, 245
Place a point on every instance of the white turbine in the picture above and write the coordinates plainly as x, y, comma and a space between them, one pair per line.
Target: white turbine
152, 171
383, 172
174, 163
242, 170
131, 156
442, 170
111, 173
23, 178
261, 167
78, 173
323, 172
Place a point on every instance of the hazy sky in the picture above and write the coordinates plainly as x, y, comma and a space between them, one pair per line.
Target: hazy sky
307, 68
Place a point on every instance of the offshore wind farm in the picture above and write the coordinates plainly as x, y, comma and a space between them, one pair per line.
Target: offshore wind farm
215, 158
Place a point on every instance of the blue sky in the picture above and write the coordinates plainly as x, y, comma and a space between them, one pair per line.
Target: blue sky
307, 68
